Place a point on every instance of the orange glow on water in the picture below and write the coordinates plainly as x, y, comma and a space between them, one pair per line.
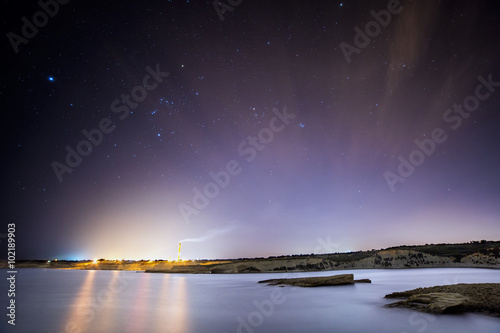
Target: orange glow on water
173, 302
109, 302
81, 312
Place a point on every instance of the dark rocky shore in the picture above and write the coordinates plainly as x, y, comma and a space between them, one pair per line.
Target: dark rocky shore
457, 298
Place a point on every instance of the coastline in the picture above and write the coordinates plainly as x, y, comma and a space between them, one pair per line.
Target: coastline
394, 258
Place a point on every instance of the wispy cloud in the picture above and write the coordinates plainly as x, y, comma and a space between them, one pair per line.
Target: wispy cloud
212, 233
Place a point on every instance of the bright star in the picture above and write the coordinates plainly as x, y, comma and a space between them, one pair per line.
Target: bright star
51, 78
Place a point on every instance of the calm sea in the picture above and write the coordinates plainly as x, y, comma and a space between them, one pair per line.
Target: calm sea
57, 301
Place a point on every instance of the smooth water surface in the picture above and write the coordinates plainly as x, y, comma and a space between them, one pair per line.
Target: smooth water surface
57, 301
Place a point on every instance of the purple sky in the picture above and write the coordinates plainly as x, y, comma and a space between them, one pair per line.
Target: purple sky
304, 120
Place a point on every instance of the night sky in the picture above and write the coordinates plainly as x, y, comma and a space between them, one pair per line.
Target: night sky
288, 127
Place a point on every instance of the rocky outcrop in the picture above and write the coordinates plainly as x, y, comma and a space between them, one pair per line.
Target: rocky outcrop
403, 259
478, 259
317, 281
474, 297
275, 265
435, 302
394, 258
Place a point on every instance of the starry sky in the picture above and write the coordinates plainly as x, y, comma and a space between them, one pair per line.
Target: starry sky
254, 129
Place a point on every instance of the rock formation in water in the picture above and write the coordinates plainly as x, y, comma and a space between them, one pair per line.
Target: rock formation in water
456, 298
317, 281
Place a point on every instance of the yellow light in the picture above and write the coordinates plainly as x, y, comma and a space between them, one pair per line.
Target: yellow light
179, 253
95, 261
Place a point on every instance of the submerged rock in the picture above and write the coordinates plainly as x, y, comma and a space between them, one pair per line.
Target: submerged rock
317, 281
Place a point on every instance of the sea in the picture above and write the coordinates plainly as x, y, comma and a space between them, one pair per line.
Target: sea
71, 301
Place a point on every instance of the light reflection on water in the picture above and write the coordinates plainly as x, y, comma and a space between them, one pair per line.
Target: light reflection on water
80, 312
98, 309
107, 303
64, 301
141, 297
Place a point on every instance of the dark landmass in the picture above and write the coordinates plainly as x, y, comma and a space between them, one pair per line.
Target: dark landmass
318, 281
480, 254
456, 298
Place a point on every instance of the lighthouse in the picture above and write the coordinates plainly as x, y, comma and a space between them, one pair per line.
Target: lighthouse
179, 253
